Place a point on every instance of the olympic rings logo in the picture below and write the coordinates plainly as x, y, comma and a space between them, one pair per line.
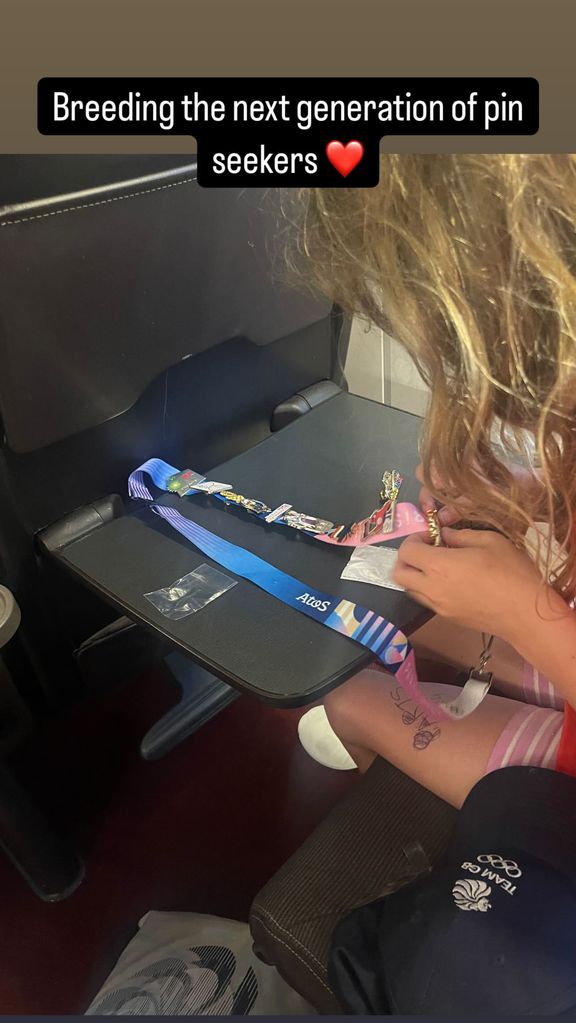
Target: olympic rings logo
510, 867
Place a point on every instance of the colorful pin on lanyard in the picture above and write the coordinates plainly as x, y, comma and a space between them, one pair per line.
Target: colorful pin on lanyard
392, 519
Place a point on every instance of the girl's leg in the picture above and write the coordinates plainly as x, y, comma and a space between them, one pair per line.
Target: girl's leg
372, 716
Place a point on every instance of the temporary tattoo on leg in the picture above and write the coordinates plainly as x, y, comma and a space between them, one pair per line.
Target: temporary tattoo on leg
426, 730
423, 739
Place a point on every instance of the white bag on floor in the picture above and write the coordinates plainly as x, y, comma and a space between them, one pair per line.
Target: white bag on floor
187, 964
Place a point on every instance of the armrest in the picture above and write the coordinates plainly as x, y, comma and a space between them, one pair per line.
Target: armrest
9, 616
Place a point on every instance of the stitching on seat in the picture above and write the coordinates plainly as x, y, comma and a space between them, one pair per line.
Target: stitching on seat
266, 913
301, 960
100, 202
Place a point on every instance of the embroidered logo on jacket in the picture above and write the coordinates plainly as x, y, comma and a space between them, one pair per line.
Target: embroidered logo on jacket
470, 894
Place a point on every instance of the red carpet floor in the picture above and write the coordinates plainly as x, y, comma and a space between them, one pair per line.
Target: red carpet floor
200, 830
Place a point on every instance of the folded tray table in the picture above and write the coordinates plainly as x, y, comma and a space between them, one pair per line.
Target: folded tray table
328, 463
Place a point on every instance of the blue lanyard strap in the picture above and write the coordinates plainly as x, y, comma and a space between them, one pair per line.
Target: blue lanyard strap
386, 642
158, 471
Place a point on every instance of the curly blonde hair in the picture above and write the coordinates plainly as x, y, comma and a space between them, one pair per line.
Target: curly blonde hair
470, 262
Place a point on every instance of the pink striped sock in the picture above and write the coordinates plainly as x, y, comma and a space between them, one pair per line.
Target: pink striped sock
531, 739
538, 690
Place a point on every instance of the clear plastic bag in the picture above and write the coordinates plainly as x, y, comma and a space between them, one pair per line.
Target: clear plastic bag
373, 565
191, 593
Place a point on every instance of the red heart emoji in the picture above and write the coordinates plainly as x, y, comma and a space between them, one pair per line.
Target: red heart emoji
344, 157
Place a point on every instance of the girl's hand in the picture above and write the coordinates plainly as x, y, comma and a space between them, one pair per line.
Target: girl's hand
480, 580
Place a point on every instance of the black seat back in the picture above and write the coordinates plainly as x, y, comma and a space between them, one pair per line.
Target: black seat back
143, 316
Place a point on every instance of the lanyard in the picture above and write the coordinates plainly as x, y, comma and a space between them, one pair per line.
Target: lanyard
387, 643
387, 522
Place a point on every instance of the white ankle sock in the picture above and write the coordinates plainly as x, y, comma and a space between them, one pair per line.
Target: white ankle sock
321, 742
